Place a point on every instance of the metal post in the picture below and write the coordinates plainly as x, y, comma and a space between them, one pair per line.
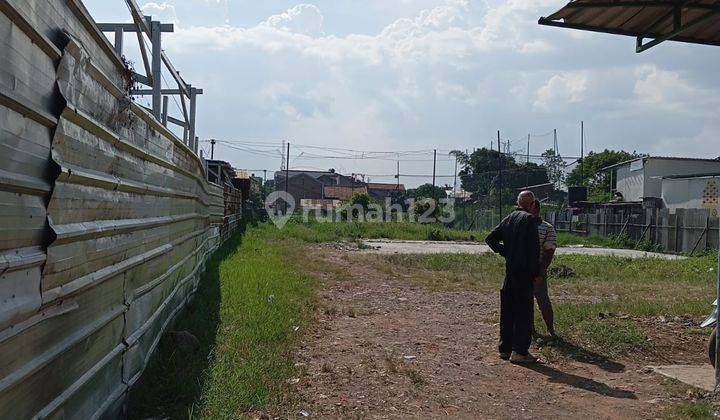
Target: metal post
287, 173
398, 175
434, 163
119, 40
165, 110
212, 149
582, 152
156, 68
717, 336
499, 176
195, 144
455, 177
527, 170
191, 123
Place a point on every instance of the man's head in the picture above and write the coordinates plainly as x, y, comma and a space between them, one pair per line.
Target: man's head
526, 200
536, 208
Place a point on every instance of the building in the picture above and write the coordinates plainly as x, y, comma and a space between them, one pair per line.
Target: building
698, 191
641, 179
247, 183
342, 193
220, 172
381, 191
301, 186
324, 177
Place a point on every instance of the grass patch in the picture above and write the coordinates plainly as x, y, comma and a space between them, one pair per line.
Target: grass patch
690, 410
314, 231
251, 303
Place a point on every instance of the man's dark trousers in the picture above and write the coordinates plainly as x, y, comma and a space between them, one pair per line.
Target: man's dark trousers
516, 314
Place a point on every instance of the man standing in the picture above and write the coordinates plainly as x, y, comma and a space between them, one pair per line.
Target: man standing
516, 239
548, 244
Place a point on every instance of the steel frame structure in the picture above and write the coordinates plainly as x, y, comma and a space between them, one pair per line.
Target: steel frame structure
153, 65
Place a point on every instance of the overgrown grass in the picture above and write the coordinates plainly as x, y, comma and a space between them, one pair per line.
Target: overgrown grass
252, 302
599, 296
316, 231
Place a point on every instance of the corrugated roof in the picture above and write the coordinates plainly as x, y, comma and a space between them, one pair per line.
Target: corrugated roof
695, 21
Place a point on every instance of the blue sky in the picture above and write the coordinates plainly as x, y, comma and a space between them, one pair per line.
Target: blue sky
406, 75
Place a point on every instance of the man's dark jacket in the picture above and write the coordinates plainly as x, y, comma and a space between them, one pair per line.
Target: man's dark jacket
516, 239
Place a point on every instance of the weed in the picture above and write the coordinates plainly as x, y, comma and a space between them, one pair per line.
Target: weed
327, 368
390, 360
362, 245
415, 377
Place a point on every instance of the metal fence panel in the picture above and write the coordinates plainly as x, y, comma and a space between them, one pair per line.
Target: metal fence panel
106, 222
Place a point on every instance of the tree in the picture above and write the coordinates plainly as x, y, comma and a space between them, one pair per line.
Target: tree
427, 191
588, 173
479, 175
554, 165
361, 199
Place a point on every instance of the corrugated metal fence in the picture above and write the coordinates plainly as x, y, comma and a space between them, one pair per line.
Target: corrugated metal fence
684, 231
106, 218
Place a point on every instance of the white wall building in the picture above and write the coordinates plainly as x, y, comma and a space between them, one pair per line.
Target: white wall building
643, 177
692, 192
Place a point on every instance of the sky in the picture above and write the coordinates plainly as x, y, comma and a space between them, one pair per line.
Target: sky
410, 76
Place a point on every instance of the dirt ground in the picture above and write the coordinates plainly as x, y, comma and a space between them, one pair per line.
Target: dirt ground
382, 348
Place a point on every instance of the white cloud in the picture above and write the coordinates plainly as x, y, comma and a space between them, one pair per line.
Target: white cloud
668, 91
692, 145
164, 12
303, 19
562, 89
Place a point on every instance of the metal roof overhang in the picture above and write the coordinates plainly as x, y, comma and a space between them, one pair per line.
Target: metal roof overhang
696, 21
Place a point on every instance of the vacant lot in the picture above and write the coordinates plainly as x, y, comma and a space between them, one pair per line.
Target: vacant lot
292, 325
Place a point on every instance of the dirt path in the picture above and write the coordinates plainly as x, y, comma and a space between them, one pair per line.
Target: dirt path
353, 365
384, 246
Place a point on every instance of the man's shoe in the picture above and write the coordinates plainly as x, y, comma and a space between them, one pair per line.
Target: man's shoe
505, 356
520, 358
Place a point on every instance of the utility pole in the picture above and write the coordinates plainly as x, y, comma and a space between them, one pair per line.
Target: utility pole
264, 176
287, 173
455, 179
212, 149
287, 167
434, 162
500, 183
582, 152
527, 170
398, 176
